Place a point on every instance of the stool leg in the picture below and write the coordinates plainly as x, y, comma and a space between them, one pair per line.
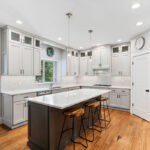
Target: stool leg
73, 133
104, 115
61, 132
108, 111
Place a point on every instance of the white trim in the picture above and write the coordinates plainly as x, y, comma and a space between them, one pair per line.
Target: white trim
139, 54
1, 121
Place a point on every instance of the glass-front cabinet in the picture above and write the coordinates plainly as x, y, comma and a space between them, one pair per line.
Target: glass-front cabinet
14, 36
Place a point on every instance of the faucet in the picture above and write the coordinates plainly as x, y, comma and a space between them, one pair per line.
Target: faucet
51, 85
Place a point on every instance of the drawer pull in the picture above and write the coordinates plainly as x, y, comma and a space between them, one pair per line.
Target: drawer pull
26, 97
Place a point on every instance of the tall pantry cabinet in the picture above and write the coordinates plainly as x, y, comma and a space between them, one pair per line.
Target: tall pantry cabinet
19, 53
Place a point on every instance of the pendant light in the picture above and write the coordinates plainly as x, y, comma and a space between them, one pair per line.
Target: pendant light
90, 41
69, 16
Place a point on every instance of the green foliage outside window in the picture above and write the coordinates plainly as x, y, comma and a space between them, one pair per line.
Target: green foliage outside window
46, 72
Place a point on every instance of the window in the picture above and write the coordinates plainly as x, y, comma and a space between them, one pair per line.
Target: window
47, 71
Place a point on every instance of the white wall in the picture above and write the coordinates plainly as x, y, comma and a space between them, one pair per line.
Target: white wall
146, 48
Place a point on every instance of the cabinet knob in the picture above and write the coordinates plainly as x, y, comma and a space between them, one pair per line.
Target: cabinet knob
147, 90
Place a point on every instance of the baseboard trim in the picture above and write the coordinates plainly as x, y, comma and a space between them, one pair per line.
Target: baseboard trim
1, 121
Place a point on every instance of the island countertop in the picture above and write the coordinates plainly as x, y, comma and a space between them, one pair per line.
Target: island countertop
67, 99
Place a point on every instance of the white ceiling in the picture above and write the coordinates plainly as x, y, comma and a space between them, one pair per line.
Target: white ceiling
110, 19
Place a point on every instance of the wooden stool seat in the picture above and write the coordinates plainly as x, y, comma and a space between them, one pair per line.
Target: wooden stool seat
74, 112
92, 104
102, 99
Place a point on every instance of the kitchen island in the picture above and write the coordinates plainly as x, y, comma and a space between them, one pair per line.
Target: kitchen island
45, 117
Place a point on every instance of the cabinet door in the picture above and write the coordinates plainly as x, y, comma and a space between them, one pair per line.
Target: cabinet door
69, 64
19, 112
116, 65
27, 57
28, 40
89, 66
14, 59
83, 66
125, 101
14, 36
125, 64
76, 65
114, 100
37, 62
37, 43
105, 57
96, 58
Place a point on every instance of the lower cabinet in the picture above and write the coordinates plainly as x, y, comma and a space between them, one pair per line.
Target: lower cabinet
120, 98
20, 112
15, 109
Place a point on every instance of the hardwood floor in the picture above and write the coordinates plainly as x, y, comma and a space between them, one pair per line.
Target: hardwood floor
126, 132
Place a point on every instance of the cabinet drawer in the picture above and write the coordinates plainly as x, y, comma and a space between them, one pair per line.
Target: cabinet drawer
23, 96
123, 91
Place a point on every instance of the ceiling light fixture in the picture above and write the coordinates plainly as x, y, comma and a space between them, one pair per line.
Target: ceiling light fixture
119, 40
81, 47
136, 5
69, 16
59, 39
140, 23
19, 22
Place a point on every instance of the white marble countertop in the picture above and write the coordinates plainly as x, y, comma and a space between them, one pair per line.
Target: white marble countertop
67, 99
16, 92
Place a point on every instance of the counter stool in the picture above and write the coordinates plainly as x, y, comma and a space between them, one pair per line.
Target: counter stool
91, 106
74, 113
103, 101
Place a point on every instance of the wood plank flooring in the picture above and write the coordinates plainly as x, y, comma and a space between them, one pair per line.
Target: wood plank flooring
126, 132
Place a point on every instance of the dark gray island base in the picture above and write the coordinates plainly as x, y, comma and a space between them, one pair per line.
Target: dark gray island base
45, 124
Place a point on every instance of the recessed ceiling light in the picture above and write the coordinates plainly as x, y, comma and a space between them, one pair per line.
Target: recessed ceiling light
19, 22
136, 5
97, 44
59, 38
81, 47
139, 23
119, 40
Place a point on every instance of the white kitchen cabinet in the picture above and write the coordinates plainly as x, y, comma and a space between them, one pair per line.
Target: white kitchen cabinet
27, 60
73, 63
15, 59
19, 113
17, 53
15, 109
125, 101
121, 60
96, 58
37, 61
27, 40
101, 58
83, 66
14, 36
120, 98
37, 43
114, 100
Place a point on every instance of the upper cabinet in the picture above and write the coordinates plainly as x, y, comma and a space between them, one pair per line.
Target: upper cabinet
73, 63
101, 58
19, 55
121, 60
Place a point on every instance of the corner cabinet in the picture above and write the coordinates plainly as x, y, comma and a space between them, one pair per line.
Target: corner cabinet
19, 55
